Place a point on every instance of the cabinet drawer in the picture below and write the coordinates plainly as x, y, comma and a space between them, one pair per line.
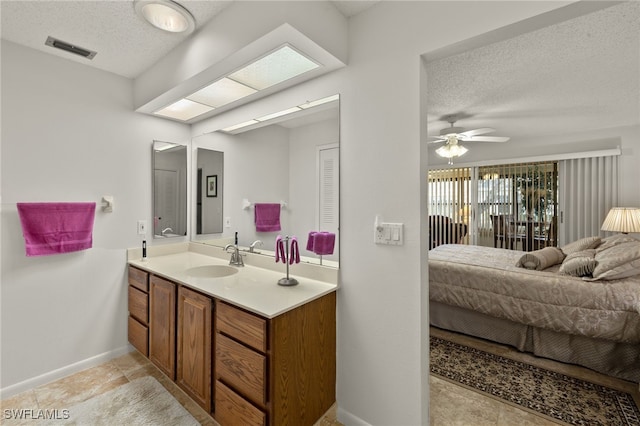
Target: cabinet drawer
242, 368
139, 279
243, 326
233, 410
139, 305
138, 336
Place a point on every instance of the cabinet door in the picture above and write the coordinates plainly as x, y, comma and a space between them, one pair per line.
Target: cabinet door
162, 325
194, 346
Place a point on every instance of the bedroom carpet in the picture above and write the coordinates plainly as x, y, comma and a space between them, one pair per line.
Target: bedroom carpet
553, 395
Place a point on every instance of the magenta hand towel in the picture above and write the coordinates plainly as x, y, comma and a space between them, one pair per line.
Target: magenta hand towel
267, 217
312, 234
280, 254
53, 228
323, 243
294, 253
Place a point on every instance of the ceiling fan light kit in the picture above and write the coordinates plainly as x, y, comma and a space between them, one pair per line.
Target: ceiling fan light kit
452, 135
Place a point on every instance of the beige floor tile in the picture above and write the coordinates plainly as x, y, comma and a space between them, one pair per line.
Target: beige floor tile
130, 362
79, 387
23, 401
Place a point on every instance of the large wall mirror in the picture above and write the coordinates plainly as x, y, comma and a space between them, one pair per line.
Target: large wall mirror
291, 160
169, 190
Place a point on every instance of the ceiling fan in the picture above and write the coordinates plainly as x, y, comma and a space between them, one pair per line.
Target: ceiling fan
452, 135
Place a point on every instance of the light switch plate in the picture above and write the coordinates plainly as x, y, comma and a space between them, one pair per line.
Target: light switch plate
389, 234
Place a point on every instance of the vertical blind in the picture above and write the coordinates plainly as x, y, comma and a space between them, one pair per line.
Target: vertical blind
588, 189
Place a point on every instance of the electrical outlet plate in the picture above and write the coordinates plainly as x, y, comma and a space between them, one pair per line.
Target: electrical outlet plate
142, 227
389, 233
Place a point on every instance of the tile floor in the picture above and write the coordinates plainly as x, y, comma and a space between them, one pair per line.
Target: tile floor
449, 404
86, 384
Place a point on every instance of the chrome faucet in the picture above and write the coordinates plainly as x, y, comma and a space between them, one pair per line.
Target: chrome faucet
165, 230
254, 244
236, 257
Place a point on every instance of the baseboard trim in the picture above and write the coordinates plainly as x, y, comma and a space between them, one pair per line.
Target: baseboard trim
346, 418
9, 391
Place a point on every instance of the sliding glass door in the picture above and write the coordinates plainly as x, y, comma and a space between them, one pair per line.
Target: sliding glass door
512, 206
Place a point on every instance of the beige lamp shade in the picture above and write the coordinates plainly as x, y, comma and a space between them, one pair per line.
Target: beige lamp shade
622, 219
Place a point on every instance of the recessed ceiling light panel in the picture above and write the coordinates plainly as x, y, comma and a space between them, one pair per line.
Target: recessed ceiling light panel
278, 66
184, 110
166, 15
222, 92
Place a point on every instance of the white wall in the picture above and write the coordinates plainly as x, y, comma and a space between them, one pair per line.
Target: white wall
69, 133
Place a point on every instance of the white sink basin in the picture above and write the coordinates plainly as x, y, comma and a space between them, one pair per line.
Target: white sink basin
211, 271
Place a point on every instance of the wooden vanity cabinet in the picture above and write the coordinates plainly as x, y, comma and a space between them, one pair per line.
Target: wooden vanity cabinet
244, 369
162, 325
279, 371
138, 321
194, 345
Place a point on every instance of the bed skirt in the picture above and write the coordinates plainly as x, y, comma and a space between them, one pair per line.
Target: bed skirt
621, 360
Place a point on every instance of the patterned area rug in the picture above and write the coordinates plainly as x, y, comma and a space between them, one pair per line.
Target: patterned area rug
141, 402
556, 396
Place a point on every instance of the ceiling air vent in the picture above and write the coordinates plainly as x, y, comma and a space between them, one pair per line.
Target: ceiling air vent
59, 44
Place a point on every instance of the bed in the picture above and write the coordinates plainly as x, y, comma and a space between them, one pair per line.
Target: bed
588, 316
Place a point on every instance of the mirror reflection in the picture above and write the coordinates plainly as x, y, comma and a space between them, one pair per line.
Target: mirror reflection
209, 191
291, 162
169, 190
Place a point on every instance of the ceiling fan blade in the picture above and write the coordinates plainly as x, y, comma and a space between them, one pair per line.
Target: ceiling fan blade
488, 139
474, 132
437, 141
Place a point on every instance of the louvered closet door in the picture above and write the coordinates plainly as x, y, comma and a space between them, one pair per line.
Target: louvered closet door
328, 188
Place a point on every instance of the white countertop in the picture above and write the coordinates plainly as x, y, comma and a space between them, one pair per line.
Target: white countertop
251, 288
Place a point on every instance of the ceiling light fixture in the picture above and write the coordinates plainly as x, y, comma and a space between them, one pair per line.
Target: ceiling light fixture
282, 64
166, 15
279, 114
451, 149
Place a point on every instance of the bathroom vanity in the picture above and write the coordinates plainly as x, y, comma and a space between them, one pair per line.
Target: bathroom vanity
248, 351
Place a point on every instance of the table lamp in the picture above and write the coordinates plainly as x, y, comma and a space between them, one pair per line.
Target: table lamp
622, 219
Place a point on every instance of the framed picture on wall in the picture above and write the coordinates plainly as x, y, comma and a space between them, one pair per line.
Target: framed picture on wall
212, 186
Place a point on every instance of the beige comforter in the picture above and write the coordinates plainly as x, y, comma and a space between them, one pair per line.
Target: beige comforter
486, 280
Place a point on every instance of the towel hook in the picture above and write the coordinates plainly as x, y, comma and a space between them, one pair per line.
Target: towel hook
107, 203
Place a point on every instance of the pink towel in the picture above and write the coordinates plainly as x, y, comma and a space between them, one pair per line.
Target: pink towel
294, 252
280, 254
312, 234
52, 228
323, 242
267, 217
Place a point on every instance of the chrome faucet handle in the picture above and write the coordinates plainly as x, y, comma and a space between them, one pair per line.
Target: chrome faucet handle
254, 244
236, 257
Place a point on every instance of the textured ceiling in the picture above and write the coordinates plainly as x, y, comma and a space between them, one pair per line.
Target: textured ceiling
581, 74
126, 45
